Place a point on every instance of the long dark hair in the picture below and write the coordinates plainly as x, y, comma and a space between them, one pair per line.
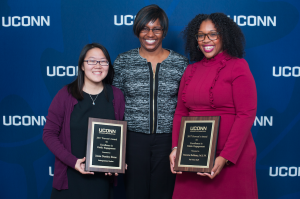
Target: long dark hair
233, 40
75, 88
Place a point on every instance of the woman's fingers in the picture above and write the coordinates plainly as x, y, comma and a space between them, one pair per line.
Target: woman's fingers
219, 164
172, 158
80, 166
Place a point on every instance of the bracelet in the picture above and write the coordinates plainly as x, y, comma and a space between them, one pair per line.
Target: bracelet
174, 148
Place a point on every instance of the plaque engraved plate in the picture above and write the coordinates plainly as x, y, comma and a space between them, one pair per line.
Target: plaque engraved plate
197, 143
106, 145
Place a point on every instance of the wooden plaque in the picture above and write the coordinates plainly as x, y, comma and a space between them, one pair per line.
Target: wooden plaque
197, 144
106, 145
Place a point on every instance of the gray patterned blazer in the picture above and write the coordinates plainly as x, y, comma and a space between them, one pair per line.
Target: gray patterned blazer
132, 76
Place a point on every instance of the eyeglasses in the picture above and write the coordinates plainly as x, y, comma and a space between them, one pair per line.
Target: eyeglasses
156, 31
94, 62
211, 36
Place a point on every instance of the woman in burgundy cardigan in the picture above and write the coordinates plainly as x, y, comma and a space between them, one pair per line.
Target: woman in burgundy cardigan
65, 132
219, 83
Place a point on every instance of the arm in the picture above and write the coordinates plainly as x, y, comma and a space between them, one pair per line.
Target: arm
52, 130
119, 103
181, 110
186, 63
118, 78
245, 102
122, 105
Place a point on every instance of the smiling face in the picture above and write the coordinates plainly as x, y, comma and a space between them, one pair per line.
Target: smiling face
208, 47
94, 74
150, 41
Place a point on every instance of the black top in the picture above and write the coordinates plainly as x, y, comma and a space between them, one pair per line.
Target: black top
87, 186
79, 118
153, 97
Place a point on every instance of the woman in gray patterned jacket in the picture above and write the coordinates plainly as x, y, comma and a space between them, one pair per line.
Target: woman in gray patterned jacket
149, 78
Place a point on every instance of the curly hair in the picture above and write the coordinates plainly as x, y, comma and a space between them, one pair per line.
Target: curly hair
233, 40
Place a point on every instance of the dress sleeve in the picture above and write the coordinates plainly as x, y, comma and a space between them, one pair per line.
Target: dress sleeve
118, 78
245, 102
52, 131
181, 109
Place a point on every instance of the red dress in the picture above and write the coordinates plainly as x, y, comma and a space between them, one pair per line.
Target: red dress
222, 86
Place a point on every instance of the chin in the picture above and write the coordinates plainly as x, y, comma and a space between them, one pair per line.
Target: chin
209, 55
151, 49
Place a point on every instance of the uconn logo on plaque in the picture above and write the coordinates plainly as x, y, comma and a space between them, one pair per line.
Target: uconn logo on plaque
107, 131
198, 128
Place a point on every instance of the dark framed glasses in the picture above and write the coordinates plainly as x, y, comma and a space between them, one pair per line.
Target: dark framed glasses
94, 62
210, 35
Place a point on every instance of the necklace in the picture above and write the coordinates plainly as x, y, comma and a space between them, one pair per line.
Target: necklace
93, 99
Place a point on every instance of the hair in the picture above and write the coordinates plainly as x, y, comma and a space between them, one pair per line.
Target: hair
233, 40
150, 13
75, 88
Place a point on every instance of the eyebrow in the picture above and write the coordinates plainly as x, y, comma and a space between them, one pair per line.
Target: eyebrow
210, 31
95, 58
158, 26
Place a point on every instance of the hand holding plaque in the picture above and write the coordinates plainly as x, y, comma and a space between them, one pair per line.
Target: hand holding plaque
197, 143
106, 145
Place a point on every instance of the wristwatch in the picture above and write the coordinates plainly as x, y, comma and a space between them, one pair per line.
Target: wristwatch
227, 162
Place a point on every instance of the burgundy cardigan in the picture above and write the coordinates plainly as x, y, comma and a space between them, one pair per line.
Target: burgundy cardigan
57, 136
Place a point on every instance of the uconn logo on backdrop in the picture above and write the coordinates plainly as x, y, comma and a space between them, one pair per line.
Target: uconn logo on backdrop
263, 121
126, 20
25, 21
286, 71
51, 171
62, 71
24, 120
284, 171
252, 20
241, 20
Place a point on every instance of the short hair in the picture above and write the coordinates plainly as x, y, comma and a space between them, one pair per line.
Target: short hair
150, 13
233, 40
75, 88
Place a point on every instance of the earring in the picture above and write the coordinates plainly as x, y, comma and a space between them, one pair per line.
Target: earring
198, 47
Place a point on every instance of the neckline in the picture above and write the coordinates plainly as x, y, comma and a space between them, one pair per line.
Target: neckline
95, 94
216, 59
92, 94
138, 52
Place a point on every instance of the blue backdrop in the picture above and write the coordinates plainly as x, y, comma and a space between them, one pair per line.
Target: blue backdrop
40, 42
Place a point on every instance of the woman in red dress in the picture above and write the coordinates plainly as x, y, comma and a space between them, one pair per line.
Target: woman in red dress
219, 83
